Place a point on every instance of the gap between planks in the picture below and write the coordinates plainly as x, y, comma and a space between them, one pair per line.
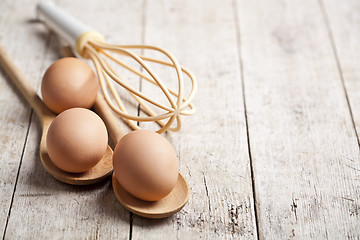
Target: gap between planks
47, 46
338, 65
18, 173
241, 68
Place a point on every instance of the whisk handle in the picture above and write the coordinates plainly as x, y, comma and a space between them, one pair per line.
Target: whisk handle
66, 26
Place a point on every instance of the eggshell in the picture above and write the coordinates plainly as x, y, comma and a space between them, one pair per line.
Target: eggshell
67, 83
146, 165
76, 140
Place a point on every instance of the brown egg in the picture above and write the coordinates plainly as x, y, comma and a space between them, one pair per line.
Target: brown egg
76, 140
67, 83
145, 164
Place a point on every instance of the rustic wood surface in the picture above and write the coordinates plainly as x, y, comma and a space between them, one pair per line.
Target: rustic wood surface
272, 152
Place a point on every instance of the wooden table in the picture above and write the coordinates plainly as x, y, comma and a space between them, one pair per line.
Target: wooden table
272, 152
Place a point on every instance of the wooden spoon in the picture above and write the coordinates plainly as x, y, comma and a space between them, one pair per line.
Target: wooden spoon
94, 175
163, 208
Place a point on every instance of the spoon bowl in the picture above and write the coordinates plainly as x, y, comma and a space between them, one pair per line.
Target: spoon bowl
94, 175
165, 207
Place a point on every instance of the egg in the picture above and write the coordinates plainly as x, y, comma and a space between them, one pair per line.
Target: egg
146, 165
68, 83
76, 140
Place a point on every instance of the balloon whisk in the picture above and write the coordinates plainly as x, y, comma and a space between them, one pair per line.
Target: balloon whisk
91, 45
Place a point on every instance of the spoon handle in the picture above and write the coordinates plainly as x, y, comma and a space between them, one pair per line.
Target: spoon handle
23, 85
108, 117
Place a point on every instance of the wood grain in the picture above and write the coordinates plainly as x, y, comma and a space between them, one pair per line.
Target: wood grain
343, 19
303, 144
212, 144
15, 113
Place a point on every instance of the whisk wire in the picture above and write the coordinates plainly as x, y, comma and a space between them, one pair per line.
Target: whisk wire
144, 106
107, 74
122, 114
116, 48
185, 102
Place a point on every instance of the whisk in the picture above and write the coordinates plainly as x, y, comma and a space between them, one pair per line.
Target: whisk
90, 44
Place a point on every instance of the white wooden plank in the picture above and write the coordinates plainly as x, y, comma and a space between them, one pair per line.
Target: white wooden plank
212, 144
14, 111
344, 26
44, 207
303, 145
